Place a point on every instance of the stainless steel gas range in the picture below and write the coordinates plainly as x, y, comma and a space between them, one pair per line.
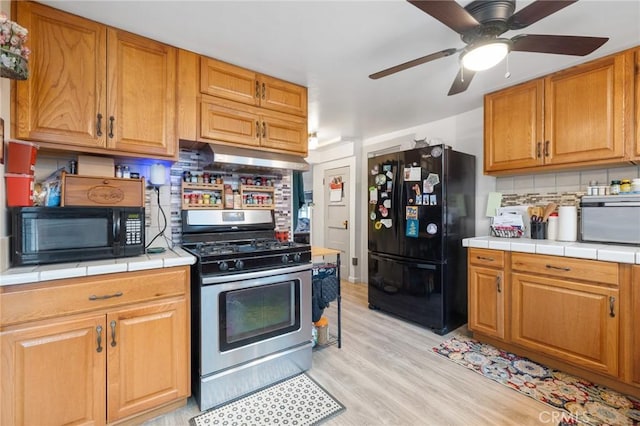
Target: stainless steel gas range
251, 303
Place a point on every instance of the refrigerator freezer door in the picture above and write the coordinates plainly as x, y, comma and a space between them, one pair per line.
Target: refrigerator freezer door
407, 289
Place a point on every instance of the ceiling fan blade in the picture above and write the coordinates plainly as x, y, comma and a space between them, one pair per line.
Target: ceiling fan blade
536, 11
558, 44
413, 63
449, 13
461, 82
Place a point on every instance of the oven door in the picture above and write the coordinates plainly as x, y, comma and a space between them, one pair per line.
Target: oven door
252, 315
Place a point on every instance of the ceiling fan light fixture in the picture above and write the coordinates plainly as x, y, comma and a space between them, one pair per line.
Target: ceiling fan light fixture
483, 56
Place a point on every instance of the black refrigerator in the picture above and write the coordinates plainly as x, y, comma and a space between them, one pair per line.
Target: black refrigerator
421, 206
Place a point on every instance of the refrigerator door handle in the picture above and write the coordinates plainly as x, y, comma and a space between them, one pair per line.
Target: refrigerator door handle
427, 266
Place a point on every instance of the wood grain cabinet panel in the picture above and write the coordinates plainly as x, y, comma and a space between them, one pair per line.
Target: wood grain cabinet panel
94, 87
637, 105
66, 89
486, 287
577, 117
632, 324
54, 374
72, 358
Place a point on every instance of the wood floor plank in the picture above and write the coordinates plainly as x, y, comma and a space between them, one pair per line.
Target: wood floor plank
386, 373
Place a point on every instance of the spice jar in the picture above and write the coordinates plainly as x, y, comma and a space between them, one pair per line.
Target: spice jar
614, 189
625, 186
635, 186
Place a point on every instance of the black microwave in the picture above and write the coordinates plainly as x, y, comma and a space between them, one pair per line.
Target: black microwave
68, 234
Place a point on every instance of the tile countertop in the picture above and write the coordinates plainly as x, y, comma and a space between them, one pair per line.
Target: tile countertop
31, 274
603, 252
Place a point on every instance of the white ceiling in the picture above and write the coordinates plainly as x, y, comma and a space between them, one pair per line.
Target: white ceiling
332, 46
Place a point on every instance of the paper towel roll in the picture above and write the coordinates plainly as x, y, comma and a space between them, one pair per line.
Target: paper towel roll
157, 174
567, 223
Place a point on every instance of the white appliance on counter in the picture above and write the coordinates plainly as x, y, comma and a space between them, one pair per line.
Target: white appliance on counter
610, 219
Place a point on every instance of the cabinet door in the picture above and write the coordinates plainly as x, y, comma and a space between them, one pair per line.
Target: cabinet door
513, 127
65, 93
54, 374
284, 133
142, 95
229, 122
637, 105
228, 81
148, 357
486, 301
633, 321
280, 95
585, 111
574, 322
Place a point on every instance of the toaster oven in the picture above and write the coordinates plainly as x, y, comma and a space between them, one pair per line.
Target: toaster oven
611, 219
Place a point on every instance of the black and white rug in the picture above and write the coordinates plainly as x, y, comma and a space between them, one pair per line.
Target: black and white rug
297, 401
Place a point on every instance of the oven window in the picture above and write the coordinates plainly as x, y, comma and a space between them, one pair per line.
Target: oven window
257, 313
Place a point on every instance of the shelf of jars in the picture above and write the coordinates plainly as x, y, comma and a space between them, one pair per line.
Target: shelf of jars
202, 196
257, 197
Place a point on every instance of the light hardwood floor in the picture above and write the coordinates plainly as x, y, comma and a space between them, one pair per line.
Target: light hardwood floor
387, 374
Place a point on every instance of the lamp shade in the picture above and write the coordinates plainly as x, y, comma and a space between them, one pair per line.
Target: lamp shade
485, 56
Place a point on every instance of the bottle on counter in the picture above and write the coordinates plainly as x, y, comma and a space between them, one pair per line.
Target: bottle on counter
614, 188
552, 226
118, 171
625, 186
126, 173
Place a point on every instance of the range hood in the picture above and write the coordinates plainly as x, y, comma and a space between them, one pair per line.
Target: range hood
243, 159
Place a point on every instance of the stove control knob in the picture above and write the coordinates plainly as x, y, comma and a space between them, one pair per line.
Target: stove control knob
285, 258
224, 266
239, 264
296, 257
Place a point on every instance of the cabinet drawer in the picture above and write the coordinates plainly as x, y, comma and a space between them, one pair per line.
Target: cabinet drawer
566, 267
101, 191
31, 302
484, 257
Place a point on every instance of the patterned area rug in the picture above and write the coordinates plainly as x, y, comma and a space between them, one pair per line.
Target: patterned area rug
297, 401
585, 402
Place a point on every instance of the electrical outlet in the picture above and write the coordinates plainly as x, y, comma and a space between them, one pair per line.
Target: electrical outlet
354, 261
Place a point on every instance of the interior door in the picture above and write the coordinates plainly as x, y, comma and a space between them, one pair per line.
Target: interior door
336, 183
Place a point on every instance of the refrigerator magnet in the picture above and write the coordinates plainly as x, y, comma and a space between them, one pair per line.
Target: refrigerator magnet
383, 211
427, 187
412, 173
419, 200
389, 185
412, 228
374, 170
381, 179
432, 228
433, 200
373, 195
387, 203
377, 225
433, 179
386, 223
411, 212
373, 215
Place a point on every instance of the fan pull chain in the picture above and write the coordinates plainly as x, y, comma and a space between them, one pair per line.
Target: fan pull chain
507, 74
462, 74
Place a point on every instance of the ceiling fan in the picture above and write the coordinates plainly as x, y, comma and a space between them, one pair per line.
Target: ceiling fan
480, 25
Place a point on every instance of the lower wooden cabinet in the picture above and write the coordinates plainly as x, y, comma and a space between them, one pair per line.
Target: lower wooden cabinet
633, 324
127, 356
487, 292
575, 322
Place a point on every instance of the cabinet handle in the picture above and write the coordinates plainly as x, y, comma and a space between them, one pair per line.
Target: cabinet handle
612, 301
111, 120
257, 89
488, 259
113, 332
263, 90
106, 296
264, 129
99, 330
498, 281
99, 125
560, 268
539, 150
257, 129
546, 148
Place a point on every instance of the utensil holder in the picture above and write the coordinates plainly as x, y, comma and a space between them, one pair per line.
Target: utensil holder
538, 230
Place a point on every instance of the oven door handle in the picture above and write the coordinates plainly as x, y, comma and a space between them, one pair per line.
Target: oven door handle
221, 279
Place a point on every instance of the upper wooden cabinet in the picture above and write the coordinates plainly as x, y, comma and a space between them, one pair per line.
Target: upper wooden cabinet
637, 105
228, 81
577, 117
94, 87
